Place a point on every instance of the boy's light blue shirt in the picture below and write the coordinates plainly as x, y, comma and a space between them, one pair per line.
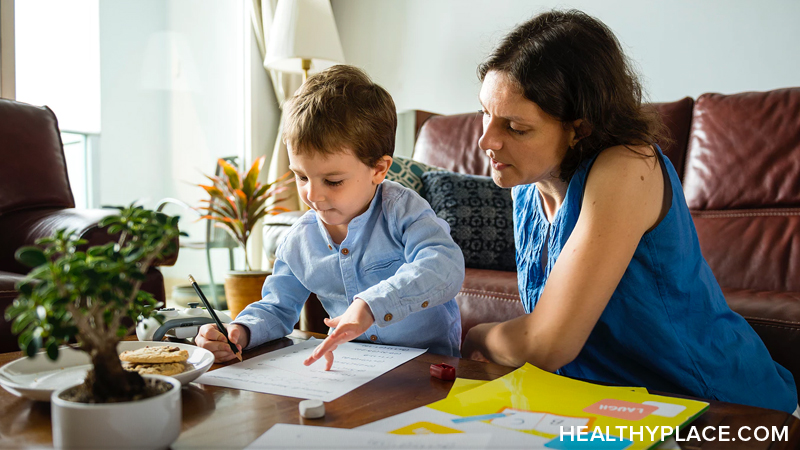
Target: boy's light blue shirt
397, 256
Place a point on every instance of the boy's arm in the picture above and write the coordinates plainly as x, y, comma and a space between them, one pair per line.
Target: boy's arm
432, 275
434, 269
274, 316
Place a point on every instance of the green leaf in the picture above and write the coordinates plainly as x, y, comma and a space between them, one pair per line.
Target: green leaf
31, 256
251, 179
231, 173
22, 321
52, 349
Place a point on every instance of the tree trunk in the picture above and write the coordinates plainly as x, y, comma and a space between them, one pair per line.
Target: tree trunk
107, 381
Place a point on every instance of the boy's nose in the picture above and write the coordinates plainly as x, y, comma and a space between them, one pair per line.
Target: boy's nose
315, 194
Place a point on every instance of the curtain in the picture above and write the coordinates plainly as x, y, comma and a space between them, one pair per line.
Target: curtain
284, 85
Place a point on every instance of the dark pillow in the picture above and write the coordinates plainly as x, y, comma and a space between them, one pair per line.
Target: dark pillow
480, 215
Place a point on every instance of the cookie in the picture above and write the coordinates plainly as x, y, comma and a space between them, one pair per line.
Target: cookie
156, 369
153, 355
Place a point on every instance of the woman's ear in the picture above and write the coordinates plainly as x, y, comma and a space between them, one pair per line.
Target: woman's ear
582, 130
381, 169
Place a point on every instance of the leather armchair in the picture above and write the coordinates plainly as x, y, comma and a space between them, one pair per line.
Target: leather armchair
36, 200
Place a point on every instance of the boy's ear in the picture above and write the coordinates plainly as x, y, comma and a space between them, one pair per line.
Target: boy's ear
381, 169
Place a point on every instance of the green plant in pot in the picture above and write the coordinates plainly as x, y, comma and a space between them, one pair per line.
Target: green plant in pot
85, 297
237, 201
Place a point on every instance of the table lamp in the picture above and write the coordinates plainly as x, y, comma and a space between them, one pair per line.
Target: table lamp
303, 34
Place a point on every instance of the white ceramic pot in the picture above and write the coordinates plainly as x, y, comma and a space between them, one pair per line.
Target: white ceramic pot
152, 423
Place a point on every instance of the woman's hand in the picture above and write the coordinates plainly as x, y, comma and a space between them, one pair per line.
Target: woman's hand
212, 340
350, 325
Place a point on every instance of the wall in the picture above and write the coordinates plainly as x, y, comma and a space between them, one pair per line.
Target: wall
134, 132
425, 52
173, 102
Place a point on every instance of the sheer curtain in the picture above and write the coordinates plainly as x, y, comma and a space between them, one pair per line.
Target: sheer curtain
284, 85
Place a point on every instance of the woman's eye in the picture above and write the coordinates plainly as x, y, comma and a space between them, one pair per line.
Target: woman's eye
334, 183
303, 179
515, 131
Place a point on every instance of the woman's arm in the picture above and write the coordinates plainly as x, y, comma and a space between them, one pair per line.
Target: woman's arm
622, 200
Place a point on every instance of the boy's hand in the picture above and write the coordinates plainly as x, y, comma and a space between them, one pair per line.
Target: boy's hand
212, 340
350, 325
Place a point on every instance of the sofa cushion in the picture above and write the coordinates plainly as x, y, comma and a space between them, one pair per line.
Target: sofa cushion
744, 151
451, 142
488, 296
752, 249
480, 215
409, 172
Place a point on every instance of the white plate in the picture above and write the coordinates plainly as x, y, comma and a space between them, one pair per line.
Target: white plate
36, 378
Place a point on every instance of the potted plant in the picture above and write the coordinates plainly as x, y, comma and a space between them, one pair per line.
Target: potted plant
237, 201
86, 296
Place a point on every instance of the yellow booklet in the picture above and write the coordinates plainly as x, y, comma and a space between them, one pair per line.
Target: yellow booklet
562, 412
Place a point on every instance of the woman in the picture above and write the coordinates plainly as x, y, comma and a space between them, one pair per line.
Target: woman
608, 261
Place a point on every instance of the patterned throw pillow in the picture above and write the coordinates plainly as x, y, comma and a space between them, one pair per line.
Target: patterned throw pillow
408, 172
480, 215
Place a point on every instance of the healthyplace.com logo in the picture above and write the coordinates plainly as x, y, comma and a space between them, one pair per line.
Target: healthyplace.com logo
722, 433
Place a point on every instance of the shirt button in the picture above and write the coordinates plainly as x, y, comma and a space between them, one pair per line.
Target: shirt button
387, 317
373, 338
345, 251
330, 247
425, 304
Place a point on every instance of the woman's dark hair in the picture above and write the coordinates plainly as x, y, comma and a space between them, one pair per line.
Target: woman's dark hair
573, 67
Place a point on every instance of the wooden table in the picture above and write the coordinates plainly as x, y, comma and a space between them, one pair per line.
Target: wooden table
217, 417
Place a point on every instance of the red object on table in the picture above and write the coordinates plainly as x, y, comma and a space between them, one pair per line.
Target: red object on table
443, 371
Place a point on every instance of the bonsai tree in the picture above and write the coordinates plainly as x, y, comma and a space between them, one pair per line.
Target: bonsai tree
238, 200
85, 295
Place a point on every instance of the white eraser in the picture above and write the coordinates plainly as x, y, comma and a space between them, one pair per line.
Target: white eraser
312, 409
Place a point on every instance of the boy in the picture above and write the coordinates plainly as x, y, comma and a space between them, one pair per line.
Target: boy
373, 251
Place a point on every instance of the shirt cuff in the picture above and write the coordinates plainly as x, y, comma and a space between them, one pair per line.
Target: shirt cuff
386, 305
256, 326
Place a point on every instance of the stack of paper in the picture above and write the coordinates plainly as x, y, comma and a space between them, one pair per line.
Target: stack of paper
551, 412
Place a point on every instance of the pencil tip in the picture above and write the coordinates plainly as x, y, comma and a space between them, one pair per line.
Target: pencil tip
239, 355
191, 278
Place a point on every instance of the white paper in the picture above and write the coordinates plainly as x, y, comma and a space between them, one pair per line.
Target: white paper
282, 372
499, 438
284, 436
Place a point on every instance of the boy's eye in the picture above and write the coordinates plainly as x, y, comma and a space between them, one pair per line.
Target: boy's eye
334, 183
301, 178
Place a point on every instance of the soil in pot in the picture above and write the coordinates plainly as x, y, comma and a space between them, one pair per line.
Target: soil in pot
82, 394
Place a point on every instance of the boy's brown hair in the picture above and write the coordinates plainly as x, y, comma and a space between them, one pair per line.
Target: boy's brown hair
341, 107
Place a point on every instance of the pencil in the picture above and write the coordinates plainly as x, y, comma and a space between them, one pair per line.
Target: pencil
216, 319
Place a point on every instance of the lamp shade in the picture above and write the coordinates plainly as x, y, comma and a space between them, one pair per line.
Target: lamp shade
303, 29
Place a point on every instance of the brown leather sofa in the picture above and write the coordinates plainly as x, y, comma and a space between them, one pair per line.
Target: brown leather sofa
739, 161
36, 200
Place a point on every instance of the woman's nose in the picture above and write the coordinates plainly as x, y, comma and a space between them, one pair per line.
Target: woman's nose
490, 139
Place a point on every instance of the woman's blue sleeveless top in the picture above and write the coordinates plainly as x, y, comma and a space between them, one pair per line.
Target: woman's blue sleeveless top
667, 326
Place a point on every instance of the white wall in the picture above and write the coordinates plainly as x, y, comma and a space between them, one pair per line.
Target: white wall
425, 52
134, 144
